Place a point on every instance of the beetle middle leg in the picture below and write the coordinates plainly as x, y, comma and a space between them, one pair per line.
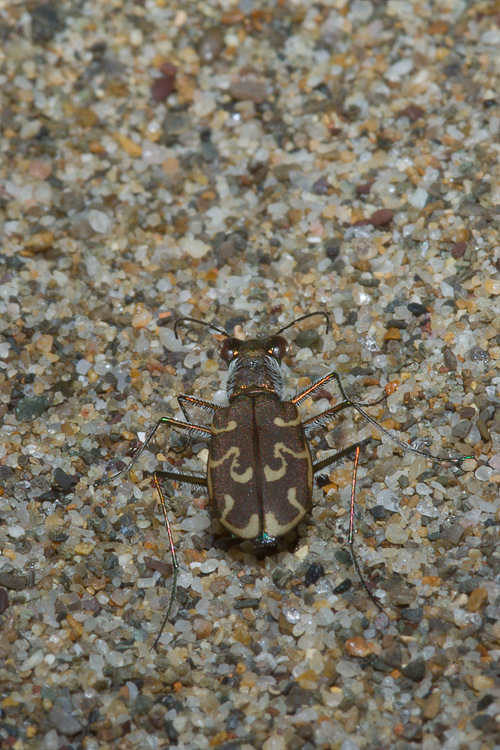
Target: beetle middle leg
323, 464
176, 424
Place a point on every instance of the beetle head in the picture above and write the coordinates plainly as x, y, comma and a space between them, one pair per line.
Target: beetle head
254, 365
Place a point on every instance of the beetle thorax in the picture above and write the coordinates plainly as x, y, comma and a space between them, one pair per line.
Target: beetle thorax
254, 373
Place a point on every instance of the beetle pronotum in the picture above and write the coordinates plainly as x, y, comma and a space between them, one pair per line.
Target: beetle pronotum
260, 470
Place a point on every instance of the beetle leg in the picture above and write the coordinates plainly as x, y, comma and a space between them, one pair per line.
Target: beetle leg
191, 429
175, 562
178, 476
350, 539
184, 400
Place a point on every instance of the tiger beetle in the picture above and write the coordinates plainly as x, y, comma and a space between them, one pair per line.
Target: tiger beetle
260, 470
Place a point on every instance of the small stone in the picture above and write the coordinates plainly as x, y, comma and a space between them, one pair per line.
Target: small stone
40, 241
63, 721
432, 705
452, 533
45, 342
4, 600
211, 45
492, 286
194, 248
44, 22
477, 598
128, 145
482, 682
357, 646
412, 112
141, 317
13, 582
202, 628
381, 217
393, 334
458, 249
86, 117
249, 86
66, 481
28, 409
395, 534
162, 88
415, 670
99, 221
84, 548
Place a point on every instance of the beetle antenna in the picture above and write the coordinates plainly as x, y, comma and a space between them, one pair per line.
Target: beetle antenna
304, 317
181, 321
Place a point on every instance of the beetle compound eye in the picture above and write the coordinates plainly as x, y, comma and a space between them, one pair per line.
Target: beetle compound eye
277, 347
228, 349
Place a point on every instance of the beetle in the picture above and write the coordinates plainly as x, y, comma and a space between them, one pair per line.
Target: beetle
260, 469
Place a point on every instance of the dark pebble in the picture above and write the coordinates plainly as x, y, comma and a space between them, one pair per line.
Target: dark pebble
4, 600
314, 573
28, 409
452, 533
343, 586
364, 189
44, 22
298, 698
13, 582
381, 217
332, 247
468, 209
66, 481
461, 429
412, 112
412, 615
307, 339
142, 704
321, 186
244, 603
211, 45
458, 249
484, 702
380, 513
416, 308
162, 87
467, 413
450, 359
415, 670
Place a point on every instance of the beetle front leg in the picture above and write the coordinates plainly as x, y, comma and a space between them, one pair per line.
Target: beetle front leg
192, 401
176, 424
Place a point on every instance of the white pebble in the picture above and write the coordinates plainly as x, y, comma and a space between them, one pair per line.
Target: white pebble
16, 531
99, 221
194, 248
199, 522
33, 661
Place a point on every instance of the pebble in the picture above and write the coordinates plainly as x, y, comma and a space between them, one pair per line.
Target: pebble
28, 409
395, 534
357, 646
211, 45
492, 286
477, 598
63, 721
201, 627
40, 241
381, 217
194, 248
249, 86
99, 221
